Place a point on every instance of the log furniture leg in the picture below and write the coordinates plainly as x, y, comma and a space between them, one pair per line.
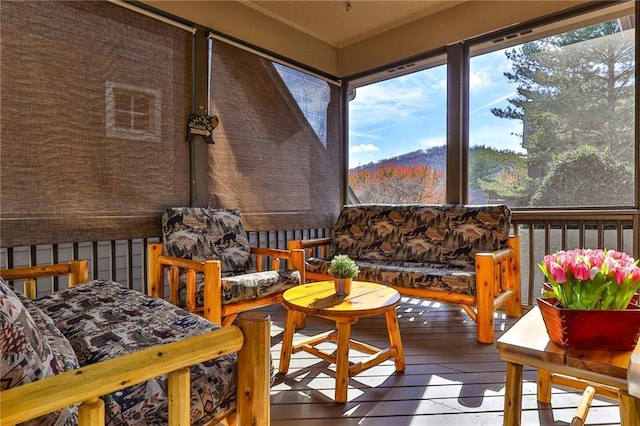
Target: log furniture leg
395, 340
544, 386
342, 359
287, 341
513, 395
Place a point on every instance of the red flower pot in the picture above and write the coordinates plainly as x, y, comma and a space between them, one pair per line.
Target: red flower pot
608, 330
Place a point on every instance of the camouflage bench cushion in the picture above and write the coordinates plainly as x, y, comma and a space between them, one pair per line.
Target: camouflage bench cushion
418, 245
31, 349
207, 233
103, 320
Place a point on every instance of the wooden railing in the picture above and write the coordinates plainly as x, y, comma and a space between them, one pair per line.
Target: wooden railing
123, 261
546, 231
540, 231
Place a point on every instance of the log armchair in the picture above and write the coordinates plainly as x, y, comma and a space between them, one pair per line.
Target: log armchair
212, 270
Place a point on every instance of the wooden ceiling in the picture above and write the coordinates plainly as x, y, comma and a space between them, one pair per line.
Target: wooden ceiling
343, 22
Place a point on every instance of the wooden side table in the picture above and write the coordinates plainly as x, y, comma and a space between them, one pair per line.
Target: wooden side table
527, 343
319, 299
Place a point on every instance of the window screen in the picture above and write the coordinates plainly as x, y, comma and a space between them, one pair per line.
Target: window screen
276, 155
95, 101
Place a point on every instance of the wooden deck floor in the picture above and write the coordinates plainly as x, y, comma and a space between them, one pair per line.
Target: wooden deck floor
450, 379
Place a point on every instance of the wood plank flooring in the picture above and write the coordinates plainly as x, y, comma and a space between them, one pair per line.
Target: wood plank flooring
450, 379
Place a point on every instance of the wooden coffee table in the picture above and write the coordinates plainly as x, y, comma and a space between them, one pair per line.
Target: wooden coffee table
319, 299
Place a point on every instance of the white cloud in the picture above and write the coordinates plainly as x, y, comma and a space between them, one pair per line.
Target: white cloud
370, 134
364, 147
479, 79
494, 102
397, 98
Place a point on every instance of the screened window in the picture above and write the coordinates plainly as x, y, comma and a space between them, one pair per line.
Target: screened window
312, 97
552, 118
397, 139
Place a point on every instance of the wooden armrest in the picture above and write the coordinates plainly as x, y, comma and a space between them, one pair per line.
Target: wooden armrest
76, 270
196, 265
499, 255
84, 384
302, 244
271, 252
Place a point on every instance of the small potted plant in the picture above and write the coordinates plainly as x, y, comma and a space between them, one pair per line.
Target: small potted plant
585, 303
343, 269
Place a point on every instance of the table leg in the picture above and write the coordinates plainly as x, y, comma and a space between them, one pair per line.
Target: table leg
544, 386
342, 360
629, 409
287, 341
394, 339
513, 395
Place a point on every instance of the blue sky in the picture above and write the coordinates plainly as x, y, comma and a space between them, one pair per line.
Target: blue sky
408, 113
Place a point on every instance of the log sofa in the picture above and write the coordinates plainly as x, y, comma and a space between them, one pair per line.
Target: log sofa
99, 353
458, 254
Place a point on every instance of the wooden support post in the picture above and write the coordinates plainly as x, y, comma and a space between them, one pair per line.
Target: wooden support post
544, 386
213, 291
484, 297
30, 289
91, 413
297, 262
342, 358
287, 341
513, 395
155, 281
254, 370
629, 409
174, 285
179, 394
191, 291
78, 272
514, 303
395, 340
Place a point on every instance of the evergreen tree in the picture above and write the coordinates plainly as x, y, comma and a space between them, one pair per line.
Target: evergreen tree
574, 89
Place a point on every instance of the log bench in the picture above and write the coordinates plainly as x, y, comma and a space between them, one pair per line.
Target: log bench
99, 353
451, 253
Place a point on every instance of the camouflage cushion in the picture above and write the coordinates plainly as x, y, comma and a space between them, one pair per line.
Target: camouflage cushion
204, 234
32, 348
243, 287
408, 274
103, 320
418, 245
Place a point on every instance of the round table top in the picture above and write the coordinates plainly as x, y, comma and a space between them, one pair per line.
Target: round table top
320, 299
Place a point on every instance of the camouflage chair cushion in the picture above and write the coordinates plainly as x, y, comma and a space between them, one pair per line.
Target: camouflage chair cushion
243, 287
205, 234
418, 245
103, 320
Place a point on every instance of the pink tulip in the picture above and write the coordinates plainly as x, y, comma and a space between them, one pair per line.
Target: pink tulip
557, 273
581, 270
621, 274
